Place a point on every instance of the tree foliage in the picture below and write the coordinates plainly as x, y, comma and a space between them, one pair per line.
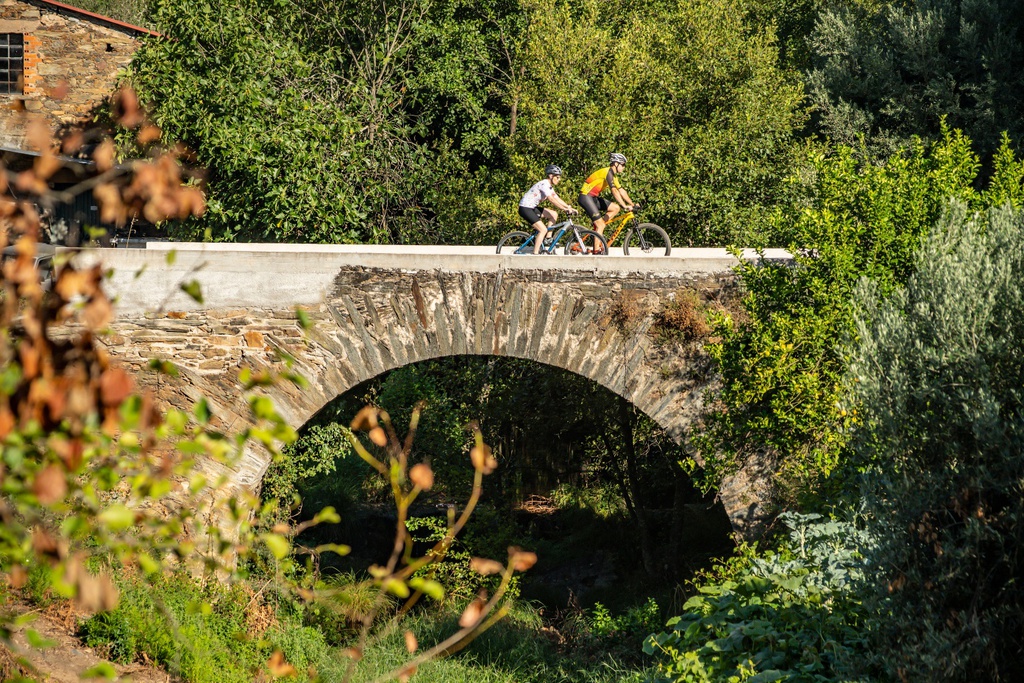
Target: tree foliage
938, 373
404, 122
296, 108
893, 70
688, 90
90, 466
782, 368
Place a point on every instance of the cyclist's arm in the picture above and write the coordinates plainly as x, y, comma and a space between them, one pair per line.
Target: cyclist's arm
560, 203
622, 197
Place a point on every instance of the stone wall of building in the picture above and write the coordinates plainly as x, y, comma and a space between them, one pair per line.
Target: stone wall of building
71, 65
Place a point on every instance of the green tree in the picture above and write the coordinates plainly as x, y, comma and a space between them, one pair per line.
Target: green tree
295, 108
423, 122
892, 70
782, 368
689, 91
937, 376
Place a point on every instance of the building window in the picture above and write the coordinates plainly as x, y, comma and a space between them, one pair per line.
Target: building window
12, 63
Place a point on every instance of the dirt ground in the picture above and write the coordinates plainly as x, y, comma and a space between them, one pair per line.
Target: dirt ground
65, 661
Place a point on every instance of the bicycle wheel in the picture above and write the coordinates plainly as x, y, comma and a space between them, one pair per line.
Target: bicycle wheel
589, 243
516, 242
647, 239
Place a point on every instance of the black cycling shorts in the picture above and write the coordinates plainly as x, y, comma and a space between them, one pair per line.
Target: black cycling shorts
531, 214
594, 206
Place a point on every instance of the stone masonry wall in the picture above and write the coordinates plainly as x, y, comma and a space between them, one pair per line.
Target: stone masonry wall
71, 65
377, 320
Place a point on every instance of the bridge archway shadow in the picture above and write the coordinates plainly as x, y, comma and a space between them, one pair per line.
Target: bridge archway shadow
601, 513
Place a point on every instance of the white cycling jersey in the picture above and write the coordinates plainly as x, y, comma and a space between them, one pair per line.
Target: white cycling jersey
536, 194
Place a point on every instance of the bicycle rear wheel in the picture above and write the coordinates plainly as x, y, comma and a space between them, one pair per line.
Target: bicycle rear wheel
647, 239
516, 242
589, 243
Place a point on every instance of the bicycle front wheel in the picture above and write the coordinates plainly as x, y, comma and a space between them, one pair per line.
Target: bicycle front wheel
589, 243
516, 242
647, 239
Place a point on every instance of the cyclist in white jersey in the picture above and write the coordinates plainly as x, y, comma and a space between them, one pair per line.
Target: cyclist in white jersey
541, 219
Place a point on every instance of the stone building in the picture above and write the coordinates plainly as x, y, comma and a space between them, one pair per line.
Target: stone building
58, 62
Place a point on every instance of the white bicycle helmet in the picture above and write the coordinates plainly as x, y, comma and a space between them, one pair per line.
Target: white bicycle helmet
616, 158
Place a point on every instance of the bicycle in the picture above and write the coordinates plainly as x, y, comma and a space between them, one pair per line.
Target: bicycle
648, 238
583, 242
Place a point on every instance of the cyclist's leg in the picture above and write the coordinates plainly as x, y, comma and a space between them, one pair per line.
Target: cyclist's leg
611, 210
548, 218
595, 208
600, 211
534, 217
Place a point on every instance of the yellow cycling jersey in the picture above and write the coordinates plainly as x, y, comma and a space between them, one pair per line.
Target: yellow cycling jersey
599, 180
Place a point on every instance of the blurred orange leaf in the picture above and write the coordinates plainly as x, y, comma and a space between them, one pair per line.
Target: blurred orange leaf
364, 419
50, 485
279, 667
104, 156
485, 567
115, 386
410, 641
148, 134
422, 476
378, 436
521, 560
46, 165
472, 614
98, 312
482, 458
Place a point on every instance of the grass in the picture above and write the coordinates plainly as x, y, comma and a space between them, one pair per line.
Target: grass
204, 634
514, 651
221, 634
217, 634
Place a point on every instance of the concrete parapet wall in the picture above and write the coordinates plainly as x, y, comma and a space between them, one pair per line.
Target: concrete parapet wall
282, 275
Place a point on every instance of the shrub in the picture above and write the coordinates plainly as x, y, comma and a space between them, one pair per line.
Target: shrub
685, 318
782, 371
938, 376
321, 450
627, 309
453, 571
788, 614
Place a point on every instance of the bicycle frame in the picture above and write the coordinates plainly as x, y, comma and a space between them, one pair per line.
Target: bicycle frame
620, 222
632, 221
552, 238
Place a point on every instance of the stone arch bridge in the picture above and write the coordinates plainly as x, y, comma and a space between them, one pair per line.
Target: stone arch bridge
374, 309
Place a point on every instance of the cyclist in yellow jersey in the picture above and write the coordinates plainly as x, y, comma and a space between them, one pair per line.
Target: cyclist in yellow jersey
597, 207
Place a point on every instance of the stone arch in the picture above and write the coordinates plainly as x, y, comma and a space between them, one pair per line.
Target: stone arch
375, 320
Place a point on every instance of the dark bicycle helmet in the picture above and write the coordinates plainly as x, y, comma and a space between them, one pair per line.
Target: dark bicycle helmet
551, 169
616, 158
